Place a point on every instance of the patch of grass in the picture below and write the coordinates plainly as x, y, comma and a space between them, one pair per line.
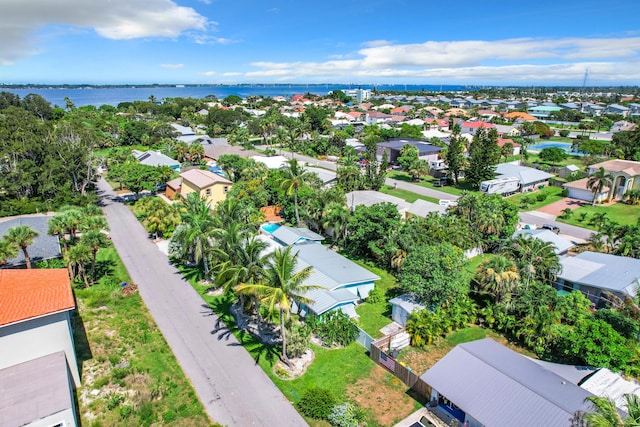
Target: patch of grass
621, 213
111, 328
408, 196
375, 315
428, 182
553, 194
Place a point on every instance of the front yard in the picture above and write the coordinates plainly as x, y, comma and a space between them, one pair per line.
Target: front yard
537, 199
428, 182
129, 374
620, 213
406, 195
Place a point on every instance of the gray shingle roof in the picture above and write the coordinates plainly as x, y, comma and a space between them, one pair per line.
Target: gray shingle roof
499, 387
422, 208
602, 271
44, 246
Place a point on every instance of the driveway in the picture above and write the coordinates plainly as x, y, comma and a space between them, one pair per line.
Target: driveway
232, 387
556, 208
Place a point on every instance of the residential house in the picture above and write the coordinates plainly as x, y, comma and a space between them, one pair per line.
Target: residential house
617, 109
156, 158
626, 177
44, 247
38, 366
206, 184
376, 117
483, 383
328, 177
560, 245
530, 179
508, 130
543, 111
520, 116
567, 170
371, 197
472, 127
393, 147
343, 282
592, 109
422, 208
634, 109
594, 273
214, 151
516, 146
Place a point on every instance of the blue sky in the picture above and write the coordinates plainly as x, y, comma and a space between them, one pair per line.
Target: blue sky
347, 41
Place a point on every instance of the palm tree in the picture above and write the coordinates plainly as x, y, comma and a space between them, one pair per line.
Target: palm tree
282, 285
597, 181
534, 257
193, 238
8, 250
497, 276
93, 239
57, 228
22, 236
76, 258
606, 414
295, 177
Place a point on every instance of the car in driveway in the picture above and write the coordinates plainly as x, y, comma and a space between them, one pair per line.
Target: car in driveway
424, 422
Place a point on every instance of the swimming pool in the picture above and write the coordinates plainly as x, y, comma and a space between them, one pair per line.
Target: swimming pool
269, 228
566, 146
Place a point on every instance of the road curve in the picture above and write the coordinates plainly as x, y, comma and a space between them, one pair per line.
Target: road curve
232, 387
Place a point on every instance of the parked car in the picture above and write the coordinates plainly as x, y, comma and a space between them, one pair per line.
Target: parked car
551, 227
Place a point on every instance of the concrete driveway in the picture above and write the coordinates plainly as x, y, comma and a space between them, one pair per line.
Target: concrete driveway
232, 387
556, 208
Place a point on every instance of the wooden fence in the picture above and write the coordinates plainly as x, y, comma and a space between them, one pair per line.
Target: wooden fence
400, 371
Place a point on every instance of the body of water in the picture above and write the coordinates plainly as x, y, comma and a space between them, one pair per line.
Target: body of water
115, 95
566, 146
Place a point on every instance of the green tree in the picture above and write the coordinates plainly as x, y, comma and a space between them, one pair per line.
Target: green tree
283, 285
76, 258
497, 276
370, 229
604, 412
455, 154
435, 274
484, 154
133, 133
597, 181
552, 155
535, 258
294, 177
8, 250
22, 236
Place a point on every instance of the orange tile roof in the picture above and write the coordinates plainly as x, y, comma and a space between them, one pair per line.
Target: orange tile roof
25, 294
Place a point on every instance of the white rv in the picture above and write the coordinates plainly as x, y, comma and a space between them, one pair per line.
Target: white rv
504, 186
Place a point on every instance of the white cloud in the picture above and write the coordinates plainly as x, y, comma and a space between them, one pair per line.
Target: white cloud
207, 39
115, 19
376, 43
172, 65
525, 59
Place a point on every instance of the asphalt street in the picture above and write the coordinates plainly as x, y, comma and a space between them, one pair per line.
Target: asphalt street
232, 387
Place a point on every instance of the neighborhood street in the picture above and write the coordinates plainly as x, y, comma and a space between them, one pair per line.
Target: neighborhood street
232, 387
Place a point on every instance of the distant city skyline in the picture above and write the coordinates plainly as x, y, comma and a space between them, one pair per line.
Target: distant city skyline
356, 41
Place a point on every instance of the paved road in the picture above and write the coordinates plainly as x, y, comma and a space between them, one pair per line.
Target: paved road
232, 387
569, 230
403, 185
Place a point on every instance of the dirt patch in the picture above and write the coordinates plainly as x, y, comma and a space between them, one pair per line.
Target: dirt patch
297, 366
383, 396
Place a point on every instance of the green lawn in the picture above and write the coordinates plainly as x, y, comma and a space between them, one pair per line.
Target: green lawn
621, 213
406, 195
373, 316
124, 358
553, 194
427, 182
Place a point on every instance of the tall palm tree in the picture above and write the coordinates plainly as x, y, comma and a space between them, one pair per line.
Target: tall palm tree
8, 250
282, 285
497, 276
193, 239
597, 181
93, 239
77, 257
534, 257
22, 236
606, 414
295, 177
56, 227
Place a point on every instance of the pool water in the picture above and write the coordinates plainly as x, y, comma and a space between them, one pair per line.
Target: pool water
269, 228
566, 146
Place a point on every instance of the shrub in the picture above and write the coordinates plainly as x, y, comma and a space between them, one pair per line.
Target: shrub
376, 295
347, 415
622, 324
298, 340
541, 197
336, 328
564, 133
565, 192
316, 403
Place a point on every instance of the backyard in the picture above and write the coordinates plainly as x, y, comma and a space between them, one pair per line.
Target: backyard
348, 372
129, 374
